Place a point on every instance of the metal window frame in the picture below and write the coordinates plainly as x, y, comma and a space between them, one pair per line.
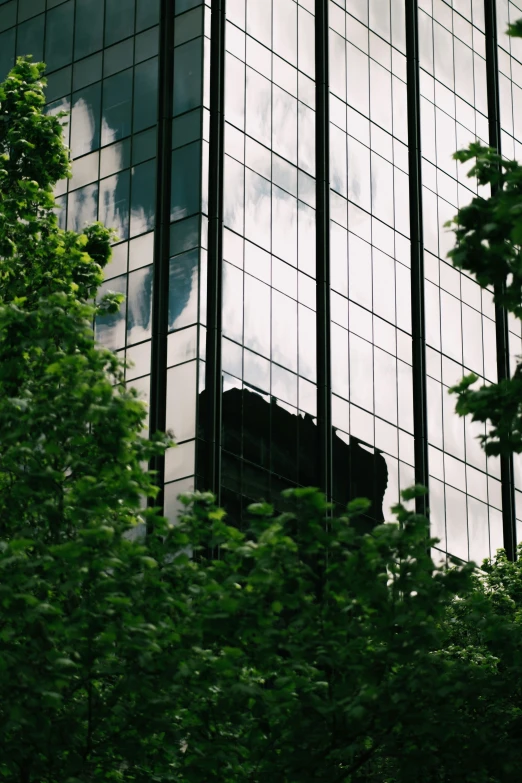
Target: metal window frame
501, 316
322, 194
211, 470
213, 384
160, 301
418, 310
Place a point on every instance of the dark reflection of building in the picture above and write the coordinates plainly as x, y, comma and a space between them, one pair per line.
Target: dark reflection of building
267, 448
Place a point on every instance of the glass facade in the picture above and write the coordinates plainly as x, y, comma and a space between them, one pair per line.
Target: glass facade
151, 89
372, 404
269, 320
188, 211
465, 490
102, 68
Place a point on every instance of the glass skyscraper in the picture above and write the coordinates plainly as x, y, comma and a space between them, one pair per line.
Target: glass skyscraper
279, 173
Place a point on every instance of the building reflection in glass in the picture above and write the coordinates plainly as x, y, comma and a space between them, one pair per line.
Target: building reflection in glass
267, 447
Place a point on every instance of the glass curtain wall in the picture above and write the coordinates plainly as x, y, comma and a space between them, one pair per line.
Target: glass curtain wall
372, 404
102, 68
188, 243
269, 298
510, 93
465, 490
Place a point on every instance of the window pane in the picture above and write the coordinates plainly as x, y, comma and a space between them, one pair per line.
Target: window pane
188, 76
143, 201
117, 101
59, 36
88, 33
145, 95
139, 305
119, 20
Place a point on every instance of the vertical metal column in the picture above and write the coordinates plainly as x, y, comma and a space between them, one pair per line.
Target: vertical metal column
158, 381
501, 318
420, 417
213, 382
322, 173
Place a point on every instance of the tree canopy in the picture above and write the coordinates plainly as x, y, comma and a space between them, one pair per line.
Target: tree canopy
295, 650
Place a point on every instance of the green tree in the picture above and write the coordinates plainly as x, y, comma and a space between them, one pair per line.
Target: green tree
296, 650
484, 627
328, 653
488, 235
485, 630
77, 633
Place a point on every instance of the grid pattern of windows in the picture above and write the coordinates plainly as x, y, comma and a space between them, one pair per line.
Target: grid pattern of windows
372, 405
187, 268
269, 322
510, 79
102, 67
465, 490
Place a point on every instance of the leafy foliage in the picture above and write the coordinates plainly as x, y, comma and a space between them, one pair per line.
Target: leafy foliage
297, 650
322, 645
489, 230
488, 234
485, 632
73, 637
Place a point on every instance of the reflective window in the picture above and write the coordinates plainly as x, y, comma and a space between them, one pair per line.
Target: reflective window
188, 76
269, 278
114, 203
30, 38
459, 328
113, 105
102, 66
59, 36
369, 234
139, 305
7, 51
119, 20
88, 29
117, 107
187, 278
86, 120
